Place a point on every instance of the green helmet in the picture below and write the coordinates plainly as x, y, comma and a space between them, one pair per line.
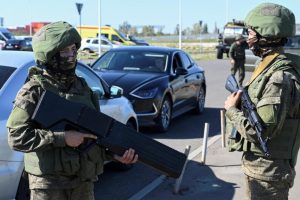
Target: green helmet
271, 21
52, 38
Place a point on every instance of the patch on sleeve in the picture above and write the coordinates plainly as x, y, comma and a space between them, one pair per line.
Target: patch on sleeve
267, 113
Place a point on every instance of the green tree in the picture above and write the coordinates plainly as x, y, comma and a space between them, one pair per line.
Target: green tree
160, 31
176, 30
133, 31
148, 31
204, 29
216, 30
197, 29
125, 27
187, 31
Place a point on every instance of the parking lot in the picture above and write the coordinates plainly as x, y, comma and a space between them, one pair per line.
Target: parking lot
220, 178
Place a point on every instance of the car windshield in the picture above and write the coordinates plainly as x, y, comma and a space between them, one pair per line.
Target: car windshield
5, 74
233, 31
133, 61
122, 35
8, 35
293, 42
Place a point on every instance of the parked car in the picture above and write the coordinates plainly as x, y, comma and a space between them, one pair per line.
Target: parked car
15, 44
161, 83
13, 75
24, 37
292, 46
137, 41
92, 44
5, 34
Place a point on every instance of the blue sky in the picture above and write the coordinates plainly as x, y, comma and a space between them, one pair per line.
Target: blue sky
136, 12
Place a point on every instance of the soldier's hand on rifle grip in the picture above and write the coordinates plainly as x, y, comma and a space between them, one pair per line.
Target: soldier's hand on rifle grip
128, 157
75, 138
233, 100
232, 61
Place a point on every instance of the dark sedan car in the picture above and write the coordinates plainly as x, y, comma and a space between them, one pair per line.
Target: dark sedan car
161, 83
16, 44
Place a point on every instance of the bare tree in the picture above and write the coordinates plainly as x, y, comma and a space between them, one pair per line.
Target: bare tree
125, 27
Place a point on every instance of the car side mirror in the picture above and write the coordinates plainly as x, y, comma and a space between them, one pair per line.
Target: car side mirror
181, 71
116, 91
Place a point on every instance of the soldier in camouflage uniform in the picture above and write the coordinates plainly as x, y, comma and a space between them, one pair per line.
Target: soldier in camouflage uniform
56, 169
274, 89
237, 58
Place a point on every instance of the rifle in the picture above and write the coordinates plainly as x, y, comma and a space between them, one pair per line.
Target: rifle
249, 111
56, 113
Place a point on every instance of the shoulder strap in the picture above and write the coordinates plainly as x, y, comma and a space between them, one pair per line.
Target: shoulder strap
265, 63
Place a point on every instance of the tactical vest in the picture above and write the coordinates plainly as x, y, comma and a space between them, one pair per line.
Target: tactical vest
65, 161
286, 143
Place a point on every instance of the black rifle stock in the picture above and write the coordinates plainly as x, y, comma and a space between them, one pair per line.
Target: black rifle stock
249, 111
54, 112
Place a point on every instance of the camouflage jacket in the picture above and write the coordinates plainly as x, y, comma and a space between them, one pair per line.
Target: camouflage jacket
237, 51
276, 100
41, 145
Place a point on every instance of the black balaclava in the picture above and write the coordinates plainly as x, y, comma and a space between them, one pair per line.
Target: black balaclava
62, 68
261, 46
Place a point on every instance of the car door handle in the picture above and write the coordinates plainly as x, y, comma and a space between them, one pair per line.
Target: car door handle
198, 77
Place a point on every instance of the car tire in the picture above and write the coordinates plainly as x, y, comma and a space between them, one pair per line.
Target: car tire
163, 120
219, 53
23, 192
200, 101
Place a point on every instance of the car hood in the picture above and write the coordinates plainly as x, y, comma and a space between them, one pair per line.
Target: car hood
129, 80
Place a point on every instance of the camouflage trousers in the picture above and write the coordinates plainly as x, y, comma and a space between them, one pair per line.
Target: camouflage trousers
84, 191
239, 65
266, 190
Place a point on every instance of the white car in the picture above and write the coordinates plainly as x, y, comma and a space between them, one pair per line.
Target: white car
14, 69
92, 44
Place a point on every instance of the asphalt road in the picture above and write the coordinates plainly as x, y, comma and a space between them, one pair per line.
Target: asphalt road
219, 178
185, 130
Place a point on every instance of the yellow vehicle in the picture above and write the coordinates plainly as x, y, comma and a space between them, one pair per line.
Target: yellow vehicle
106, 31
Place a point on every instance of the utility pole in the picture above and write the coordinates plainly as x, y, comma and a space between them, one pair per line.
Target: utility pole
180, 24
99, 28
79, 8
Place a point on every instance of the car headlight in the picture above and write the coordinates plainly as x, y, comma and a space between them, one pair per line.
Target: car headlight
145, 94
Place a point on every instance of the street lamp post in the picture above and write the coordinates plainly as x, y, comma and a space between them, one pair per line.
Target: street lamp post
180, 24
99, 28
79, 8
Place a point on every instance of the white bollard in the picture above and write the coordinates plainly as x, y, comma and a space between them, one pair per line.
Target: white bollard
222, 113
179, 179
204, 146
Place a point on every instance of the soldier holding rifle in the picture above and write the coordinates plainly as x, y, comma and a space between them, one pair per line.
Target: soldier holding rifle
274, 90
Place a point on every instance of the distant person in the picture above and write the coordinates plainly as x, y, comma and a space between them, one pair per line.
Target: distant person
237, 57
56, 168
274, 90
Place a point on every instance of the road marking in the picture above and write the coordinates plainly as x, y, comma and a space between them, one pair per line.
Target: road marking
146, 190
154, 184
